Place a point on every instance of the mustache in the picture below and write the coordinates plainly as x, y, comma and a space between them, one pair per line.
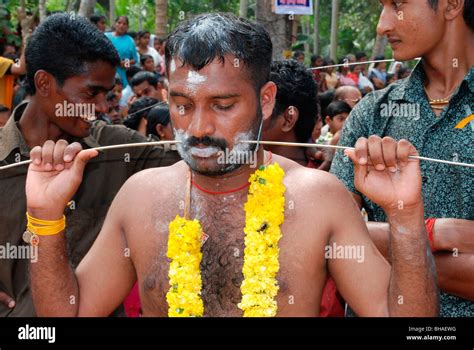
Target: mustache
193, 141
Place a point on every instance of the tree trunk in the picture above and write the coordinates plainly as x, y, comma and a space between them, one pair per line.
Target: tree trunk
334, 26
42, 10
161, 19
26, 22
379, 46
86, 8
111, 11
244, 7
317, 13
276, 26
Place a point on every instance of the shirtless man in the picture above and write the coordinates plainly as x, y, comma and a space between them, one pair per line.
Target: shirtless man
220, 92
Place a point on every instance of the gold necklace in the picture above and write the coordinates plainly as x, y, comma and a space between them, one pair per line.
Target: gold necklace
438, 103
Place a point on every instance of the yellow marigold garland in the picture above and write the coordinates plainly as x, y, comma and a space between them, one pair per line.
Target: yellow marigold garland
184, 250
264, 215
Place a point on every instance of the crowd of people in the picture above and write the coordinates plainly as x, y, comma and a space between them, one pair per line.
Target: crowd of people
134, 83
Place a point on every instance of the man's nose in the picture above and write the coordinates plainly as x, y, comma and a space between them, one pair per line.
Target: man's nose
201, 123
385, 24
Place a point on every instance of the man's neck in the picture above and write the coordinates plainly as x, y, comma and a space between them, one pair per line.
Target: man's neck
232, 180
294, 153
447, 65
36, 128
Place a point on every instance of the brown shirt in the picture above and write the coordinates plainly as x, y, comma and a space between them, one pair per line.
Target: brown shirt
103, 177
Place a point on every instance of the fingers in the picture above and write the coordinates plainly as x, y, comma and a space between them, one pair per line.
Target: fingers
47, 155
57, 155
376, 152
71, 151
404, 150
7, 300
35, 155
361, 151
381, 153
81, 160
389, 149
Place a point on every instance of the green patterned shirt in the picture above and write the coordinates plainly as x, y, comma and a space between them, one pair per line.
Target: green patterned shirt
402, 111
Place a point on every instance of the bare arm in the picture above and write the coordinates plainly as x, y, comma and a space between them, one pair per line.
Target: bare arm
19, 67
409, 288
104, 276
454, 258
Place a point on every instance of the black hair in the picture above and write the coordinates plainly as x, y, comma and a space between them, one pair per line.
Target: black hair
142, 33
118, 80
297, 54
131, 71
96, 18
4, 109
328, 61
62, 45
337, 107
118, 17
314, 58
142, 76
140, 106
198, 41
132, 34
325, 99
343, 60
110, 96
359, 55
143, 58
379, 58
157, 115
295, 87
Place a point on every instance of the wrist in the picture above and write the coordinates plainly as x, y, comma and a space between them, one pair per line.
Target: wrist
46, 214
406, 220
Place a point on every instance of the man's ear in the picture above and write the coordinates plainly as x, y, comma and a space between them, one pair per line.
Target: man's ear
267, 99
327, 119
454, 8
44, 83
290, 116
159, 130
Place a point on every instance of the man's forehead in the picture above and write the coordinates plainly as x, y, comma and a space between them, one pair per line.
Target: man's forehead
215, 79
228, 68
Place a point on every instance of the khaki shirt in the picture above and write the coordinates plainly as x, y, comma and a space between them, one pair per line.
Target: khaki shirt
103, 177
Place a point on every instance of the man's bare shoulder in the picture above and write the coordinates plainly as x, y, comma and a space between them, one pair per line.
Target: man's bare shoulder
309, 182
156, 177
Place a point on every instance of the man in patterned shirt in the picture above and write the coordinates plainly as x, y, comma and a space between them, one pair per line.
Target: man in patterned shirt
431, 109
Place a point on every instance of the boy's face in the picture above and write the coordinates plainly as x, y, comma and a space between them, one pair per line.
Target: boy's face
102, 25
337, 122
145, 40
81, 94
149, 65
413, 28
148, 90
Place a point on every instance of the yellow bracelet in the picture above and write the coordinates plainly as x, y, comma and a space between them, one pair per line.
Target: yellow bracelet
45, 227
